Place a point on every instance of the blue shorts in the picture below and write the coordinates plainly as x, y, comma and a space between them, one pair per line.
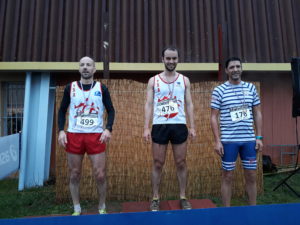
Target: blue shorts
247, 153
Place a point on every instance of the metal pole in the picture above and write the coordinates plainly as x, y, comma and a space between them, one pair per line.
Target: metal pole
105, 35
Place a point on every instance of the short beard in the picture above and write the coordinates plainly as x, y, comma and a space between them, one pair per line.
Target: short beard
86, 77
168, 69
236, 78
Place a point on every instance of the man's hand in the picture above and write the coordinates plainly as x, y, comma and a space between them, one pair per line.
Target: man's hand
105, 136
259, 145
192, 133
62, 138
219, 148
147, 135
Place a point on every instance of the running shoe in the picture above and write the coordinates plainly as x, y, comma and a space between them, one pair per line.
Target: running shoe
102, 211
184, 203
76, 214
154, 205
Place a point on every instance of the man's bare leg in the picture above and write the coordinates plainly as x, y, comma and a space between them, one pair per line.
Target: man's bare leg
74, 164
159, 157
99, 169
226, 187
179, 153
251, 188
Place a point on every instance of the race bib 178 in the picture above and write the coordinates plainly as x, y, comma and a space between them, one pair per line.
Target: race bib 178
239, 113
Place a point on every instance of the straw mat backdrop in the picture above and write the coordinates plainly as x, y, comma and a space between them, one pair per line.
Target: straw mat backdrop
129, 158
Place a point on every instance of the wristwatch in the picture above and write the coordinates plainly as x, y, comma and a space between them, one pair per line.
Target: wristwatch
259, 137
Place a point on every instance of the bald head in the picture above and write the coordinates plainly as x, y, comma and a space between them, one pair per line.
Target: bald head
87, 59
87, 68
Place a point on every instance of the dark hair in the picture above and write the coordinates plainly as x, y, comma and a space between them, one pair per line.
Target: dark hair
232, 59
172, 48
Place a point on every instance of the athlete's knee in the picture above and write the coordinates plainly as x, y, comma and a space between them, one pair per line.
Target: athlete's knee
250, 176
158, 164
75, 175
181, 164
100, 175
227, 176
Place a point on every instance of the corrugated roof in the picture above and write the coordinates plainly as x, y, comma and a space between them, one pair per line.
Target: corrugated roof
65, 30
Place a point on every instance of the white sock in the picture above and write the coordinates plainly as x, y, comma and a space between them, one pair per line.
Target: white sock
102, 207
77, 208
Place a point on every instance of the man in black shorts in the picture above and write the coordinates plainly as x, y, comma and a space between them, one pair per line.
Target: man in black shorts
167, 93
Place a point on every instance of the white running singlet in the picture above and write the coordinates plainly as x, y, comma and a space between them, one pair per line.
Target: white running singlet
169, 100
86, 109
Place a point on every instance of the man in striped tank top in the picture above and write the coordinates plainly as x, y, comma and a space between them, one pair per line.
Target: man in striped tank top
236, 105
167, 95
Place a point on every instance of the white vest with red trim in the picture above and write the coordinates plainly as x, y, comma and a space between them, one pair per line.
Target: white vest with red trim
169, 100
86, 109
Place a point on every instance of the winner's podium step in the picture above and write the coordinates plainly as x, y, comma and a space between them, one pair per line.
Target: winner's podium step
166, 205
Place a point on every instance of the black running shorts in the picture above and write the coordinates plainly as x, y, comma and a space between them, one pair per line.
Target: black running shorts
163, 133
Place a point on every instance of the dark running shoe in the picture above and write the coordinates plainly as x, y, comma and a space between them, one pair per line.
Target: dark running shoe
184, 203
154, 205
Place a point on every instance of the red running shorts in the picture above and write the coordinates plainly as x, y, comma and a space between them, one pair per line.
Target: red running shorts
80, 143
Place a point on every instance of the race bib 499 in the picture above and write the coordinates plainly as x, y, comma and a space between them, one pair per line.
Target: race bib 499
86, 121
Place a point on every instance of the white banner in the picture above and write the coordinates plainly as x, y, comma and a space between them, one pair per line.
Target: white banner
9, 154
